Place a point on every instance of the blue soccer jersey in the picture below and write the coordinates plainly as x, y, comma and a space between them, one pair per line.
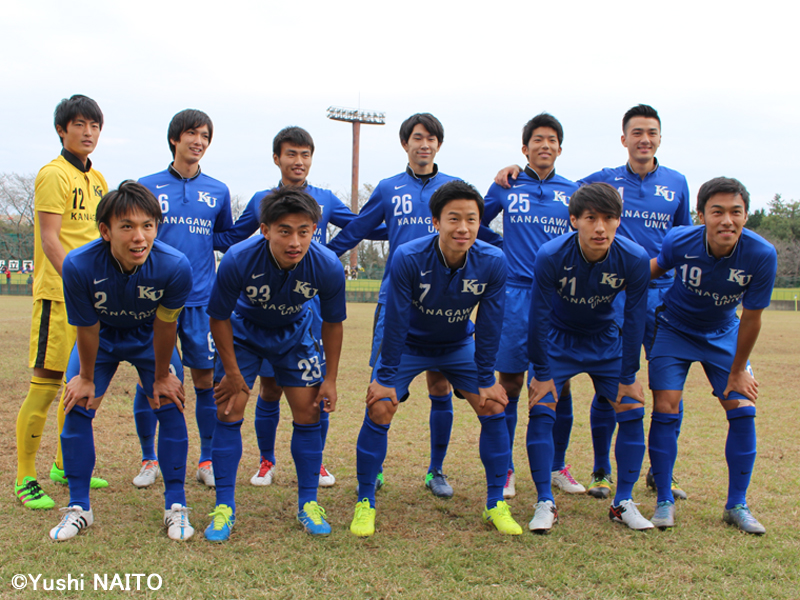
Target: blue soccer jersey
535, 211
575, 296
333, 211
96, 290
251, 282
707, 290
651, 206
428, 306
194, 211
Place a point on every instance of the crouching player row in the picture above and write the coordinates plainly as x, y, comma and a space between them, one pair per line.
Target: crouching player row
436, 282
124, 293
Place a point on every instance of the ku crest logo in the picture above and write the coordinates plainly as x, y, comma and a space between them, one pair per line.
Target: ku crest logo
302, 287
560, 196
472, 286
146, 292
612, 280
663, 191
739, 277
207, 199
98, 191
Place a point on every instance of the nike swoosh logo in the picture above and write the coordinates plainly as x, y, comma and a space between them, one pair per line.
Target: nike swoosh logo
423, 273
211, 357
96, 281
158, 187
257, 276
618, 178
35, 436
569, 268
690, 257
179, 468
397, 187
518, 186
632, 471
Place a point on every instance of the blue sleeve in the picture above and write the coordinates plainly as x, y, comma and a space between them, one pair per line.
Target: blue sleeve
226, 290
635, 317
80, 310
223, 223
332, 297
179, 285
682, 214
593, 178
367, 221
489, 236
492, 205
540, 317
759, 292
341, 216
396, 319
246, 225
665, 259
487, 330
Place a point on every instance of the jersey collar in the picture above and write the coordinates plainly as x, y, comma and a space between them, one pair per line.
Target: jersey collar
274, 262
177, 175
443, 260
116, 264
632, 172
535, 176
580, 251
302, 186
410, 172
708, 248
75, 161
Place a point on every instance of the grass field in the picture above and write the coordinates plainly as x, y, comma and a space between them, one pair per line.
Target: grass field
424, 547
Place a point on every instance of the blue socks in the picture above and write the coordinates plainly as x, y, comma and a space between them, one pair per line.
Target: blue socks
77, 447
268, 415
740, 453
307, 455
511, 426
324, 423
562, 431
205, 412
494, 451
603, 422
145, 422
663, 449
539, 441
629, 452
226, 452
441, 424
173, 448
370, 454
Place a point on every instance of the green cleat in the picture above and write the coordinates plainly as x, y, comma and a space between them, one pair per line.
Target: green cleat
379, 483
600, 487
57, 475
32, 496
363, 524
500, 517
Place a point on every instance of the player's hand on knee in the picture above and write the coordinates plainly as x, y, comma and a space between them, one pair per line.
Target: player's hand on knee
76, 390
505, 174
744, 383
168, 389
633, 390
228, 389
327, 396
377, 392
538, 391
495, 393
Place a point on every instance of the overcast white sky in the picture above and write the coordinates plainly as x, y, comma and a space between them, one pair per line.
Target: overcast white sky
723, 76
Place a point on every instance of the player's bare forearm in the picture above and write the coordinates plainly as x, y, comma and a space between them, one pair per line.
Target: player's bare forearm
327, 396
332, 336
740, 380
655, 270
49, 232
506, 173
166, 384
495, 393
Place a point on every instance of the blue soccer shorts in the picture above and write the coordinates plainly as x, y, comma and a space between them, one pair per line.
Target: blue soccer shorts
655, 297
197, 345
266, 369
512, 357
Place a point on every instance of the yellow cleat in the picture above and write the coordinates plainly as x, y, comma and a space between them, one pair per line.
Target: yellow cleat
500, 517
363, 524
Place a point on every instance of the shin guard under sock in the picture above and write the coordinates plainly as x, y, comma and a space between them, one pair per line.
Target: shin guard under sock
562, 431
370, 454
145, 421
740, 453
629, 452
77, 441
441, 424
603, 423
511, 426
663, 448
226, 452
205, 412
173, 448
307, 454
494, 450
31, 420
268, 415
539, 441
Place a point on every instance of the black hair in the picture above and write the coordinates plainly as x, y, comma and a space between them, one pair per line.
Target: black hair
640, 110
427, 120
542, 120
77, 106
297, 136
129, 197
184, 121
454, 190
598, 197
722, 185
287, 200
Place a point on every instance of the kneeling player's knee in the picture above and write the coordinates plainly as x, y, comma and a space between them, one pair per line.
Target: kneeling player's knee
382, 411
735, 403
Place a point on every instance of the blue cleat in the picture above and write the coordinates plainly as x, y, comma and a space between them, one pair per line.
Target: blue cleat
221, 524
312, 518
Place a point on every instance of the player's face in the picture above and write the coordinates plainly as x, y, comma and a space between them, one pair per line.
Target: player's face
421, 148
596, 232
294, 163
131, 238
542, 149
81, 136
192, 145
642, 138
458, 227
724, 217
289, 238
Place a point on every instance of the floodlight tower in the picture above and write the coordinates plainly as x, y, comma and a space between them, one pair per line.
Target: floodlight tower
356, 117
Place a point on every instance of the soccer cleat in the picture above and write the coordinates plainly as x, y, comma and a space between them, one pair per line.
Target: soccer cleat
147, 475
222, 520
312, 518
32, 496
326, 478
436, 482
74, 520
58, 476
600, 487
664, 516
627, 513
379, 482
265, 474
677, 492
741, 516
564, 480
500, 517
363, 524
545, 515
510, 489
205, 474
176, 520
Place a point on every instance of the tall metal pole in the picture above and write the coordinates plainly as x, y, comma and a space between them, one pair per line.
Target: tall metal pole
354, 188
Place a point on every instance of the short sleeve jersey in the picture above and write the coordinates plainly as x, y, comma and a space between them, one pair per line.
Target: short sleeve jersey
96, 290
250, 282
535, 211
194, 210
428, 305
576, 296
64, 187
707, 290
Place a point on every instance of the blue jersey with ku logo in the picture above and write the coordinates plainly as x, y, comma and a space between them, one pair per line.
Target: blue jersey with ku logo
428, 305
96, 290
651, 206
535, 211
194, 211
707, 290
251, 282
576, 296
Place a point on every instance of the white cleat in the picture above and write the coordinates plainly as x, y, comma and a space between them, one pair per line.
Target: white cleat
205, 475
627, 513
147, 475
74, 520
545, 515
510, 489
326, 478
564, 480
265, 474
176, 519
